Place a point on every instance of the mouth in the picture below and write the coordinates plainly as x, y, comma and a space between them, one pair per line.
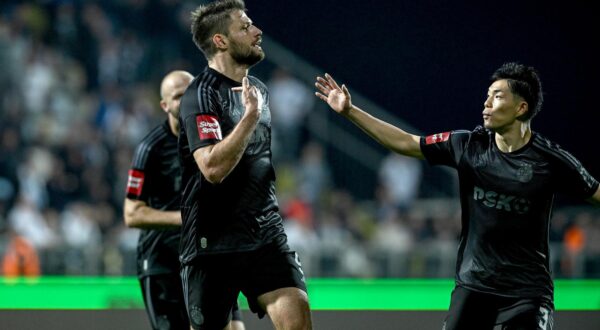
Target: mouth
257, 44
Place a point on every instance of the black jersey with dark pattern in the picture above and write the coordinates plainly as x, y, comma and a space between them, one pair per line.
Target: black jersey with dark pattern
506, 201
155, 178
240, 213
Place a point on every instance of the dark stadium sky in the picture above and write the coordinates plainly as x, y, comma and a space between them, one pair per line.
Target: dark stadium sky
429, 61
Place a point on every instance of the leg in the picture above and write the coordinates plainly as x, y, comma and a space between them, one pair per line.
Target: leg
287, 308
470, 310
163, 298
209, 293
540, 319
237, 325
275, 285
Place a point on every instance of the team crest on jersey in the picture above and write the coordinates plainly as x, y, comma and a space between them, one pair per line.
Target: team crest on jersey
525, 172
208, 127
435, 138
196, 315
135, 182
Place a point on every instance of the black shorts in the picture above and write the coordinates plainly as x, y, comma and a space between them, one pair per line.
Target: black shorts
212, 283
165, 305
476, 310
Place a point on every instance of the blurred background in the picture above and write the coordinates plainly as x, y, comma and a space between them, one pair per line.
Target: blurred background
79, 88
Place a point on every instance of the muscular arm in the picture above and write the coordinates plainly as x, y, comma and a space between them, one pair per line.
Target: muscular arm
138, 214
388, 135
218, 160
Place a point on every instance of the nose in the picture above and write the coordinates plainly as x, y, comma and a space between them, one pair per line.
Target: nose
258, 31
488, 102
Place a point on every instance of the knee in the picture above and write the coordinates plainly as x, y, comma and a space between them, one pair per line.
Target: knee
291, 312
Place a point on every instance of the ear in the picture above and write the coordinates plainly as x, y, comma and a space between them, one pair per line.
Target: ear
163, 105
522, 108
220, 41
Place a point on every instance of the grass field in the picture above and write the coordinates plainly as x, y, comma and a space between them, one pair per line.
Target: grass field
101, 293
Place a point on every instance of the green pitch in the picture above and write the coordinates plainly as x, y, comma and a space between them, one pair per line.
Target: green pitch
324, 294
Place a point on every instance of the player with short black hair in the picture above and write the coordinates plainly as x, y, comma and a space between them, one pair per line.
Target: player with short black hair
508, 177
152, 204
233, 238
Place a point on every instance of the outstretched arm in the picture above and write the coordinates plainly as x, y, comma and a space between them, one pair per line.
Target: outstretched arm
218, 160
138, 214
390, 136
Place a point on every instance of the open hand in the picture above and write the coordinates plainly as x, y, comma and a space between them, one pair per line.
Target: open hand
339, 99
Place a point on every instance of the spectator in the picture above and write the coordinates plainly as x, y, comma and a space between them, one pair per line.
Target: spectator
400, 176
19, 257
314, 174
290, 101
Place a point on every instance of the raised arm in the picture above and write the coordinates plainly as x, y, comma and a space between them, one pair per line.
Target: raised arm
390, 136
218, 160
138, 214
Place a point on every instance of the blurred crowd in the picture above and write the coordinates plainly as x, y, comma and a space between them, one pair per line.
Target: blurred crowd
79, 89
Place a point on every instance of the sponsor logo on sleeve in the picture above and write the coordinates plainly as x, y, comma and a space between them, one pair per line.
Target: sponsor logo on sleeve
435, 138
208, 127
135, 181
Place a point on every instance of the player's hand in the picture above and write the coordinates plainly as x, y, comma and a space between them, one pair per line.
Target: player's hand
249, 98
337, 97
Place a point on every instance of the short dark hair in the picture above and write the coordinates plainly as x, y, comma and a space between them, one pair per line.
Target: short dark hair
210, 19
525, 82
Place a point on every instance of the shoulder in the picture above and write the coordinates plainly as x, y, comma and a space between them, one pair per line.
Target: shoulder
477, 140
482, 132
461, 133
201, 93
552, 150
205, 81
154, 137
479, 134
149, 144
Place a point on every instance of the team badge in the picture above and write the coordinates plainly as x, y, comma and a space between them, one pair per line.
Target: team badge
208, 127
435, 138
196, 315
135, 182
525, 172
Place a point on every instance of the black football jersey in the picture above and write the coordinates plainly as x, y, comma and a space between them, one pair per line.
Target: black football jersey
155, 178
506, 201
241, 213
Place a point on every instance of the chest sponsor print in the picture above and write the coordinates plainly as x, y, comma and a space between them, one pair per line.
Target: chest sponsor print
499, 201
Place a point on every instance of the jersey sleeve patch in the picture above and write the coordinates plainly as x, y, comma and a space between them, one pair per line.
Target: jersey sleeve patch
135, 181
208, 127
436, 138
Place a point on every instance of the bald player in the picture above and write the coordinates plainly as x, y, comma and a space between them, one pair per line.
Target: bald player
152, 204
